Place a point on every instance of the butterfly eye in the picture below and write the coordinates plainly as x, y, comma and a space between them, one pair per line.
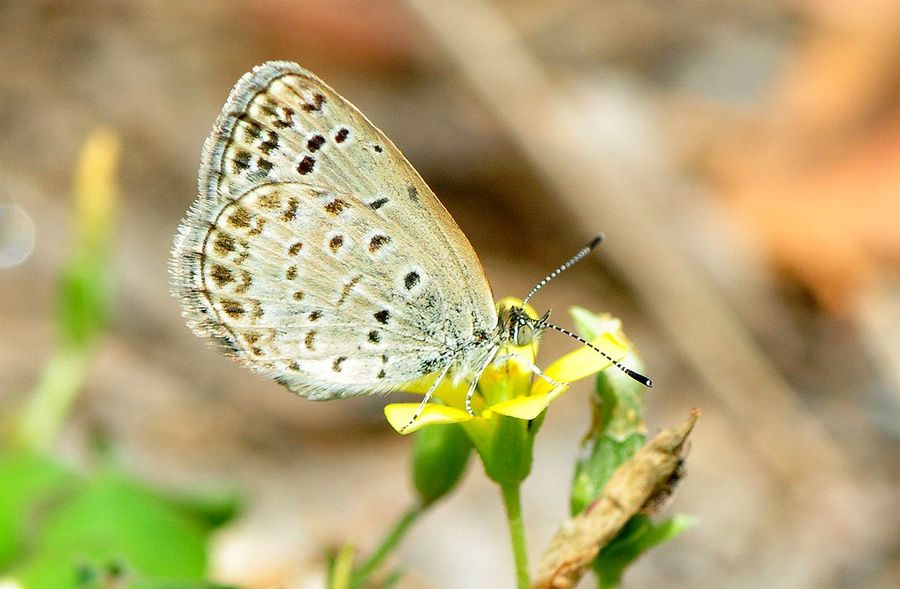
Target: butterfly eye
523, 334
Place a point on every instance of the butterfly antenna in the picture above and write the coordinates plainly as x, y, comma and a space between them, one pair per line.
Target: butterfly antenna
568, 264
635, 375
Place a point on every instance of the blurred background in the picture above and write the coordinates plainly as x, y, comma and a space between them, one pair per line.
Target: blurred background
743, 160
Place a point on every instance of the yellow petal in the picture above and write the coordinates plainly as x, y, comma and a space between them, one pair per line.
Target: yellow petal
513, 371
581, 363
526, 407
399, 414
451, 394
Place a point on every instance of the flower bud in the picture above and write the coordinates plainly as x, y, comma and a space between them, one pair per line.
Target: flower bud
440, 455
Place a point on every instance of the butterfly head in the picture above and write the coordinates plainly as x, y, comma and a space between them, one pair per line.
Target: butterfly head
518, 327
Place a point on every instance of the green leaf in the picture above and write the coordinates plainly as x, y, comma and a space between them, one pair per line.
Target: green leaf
213, 508
28, 481
115, 522
639, 535
440, 456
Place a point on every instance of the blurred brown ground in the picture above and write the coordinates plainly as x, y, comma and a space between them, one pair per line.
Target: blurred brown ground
777, 120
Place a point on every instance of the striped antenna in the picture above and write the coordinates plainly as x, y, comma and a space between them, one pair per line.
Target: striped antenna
568, 264
635, 375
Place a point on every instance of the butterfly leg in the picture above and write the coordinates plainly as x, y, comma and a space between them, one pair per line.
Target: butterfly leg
428, 394
540, 373
505, 357
533, 367
471, 392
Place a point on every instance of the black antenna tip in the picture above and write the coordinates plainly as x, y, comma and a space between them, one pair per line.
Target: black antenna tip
639, 377
596, 241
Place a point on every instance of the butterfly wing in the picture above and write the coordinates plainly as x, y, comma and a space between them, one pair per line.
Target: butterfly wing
315, 253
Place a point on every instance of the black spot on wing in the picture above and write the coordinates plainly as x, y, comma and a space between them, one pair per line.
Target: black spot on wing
378, 203
315, 142
306, 165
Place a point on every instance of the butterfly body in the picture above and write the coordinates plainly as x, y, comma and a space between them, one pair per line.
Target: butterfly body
316, 255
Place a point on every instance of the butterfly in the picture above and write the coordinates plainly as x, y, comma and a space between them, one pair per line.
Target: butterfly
316, 255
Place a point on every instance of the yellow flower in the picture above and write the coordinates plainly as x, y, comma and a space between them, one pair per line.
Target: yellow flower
508, 387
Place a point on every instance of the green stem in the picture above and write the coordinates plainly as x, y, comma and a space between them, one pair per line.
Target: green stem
53, 397
516, 533
388, 544
342, 569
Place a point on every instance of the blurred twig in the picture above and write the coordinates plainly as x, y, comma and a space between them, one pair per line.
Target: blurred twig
576, 160
879, 317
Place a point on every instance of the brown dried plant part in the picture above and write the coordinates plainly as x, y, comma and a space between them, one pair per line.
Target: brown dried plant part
630, 489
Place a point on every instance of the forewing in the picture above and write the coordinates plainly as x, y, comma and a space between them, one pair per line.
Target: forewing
315, 253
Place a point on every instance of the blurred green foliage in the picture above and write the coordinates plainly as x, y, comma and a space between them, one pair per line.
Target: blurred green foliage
29, 481
67, 531
61, 529
85, 292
